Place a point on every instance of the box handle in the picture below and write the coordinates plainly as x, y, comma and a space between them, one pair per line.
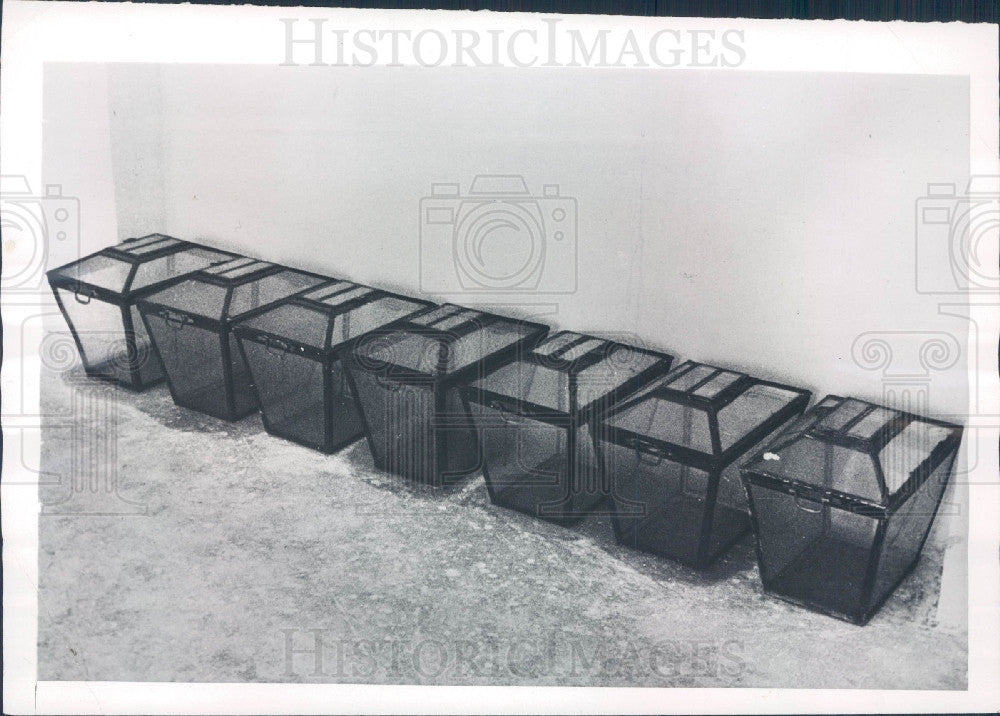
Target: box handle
506, 414
174, 320
276, 346
83, 292
649, 454
651, 459
810, 506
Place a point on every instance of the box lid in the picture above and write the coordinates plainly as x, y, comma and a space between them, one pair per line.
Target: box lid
330, 315
707, 411
858, 450
135, 265
447, 341
569, 373
234, 289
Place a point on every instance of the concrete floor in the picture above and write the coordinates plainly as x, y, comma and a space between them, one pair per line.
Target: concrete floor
214, 552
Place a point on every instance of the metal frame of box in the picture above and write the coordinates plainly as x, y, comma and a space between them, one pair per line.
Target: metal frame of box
437, 383
714, 464
223, 328
327, 355
576, 417
881, 510
123, 300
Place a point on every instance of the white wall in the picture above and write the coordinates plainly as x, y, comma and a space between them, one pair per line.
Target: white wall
761, 221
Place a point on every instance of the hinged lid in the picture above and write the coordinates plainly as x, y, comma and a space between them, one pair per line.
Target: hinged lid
232, 290
704, 413
135, 265
445, 341
568, 374
325, 318
857, 450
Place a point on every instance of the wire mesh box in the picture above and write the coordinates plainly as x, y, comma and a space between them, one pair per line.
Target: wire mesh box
843, 500
671, 455
407, 378
535, 419
191, 322
97, 296
294, 352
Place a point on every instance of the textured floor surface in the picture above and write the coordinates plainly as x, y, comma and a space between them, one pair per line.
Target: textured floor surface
177, 547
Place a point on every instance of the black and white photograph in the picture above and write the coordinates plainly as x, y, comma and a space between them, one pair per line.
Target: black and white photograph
490, 354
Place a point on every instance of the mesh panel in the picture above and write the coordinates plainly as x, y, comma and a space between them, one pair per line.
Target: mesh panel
542, 386
150, 368
620, 365
716, 385
290, 387
370, 316
239, 267
192, 360
847, 411
675, 518
147, 244
904, 453
342, 410
195, 297
103, 271
177, 264
800, 426
687, 377
870, 424
420, 352
101, 331
813, 553
478, 345
526, 465
297, 402
458, 443
852, 472
849, 471
581, 349
268, 289
408, 350
556, 342
667, 421
439, 314
660, 505
749, 410
731, 512
820, 555
243, 393
302, 324
409, 437
136, 242
905, 534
